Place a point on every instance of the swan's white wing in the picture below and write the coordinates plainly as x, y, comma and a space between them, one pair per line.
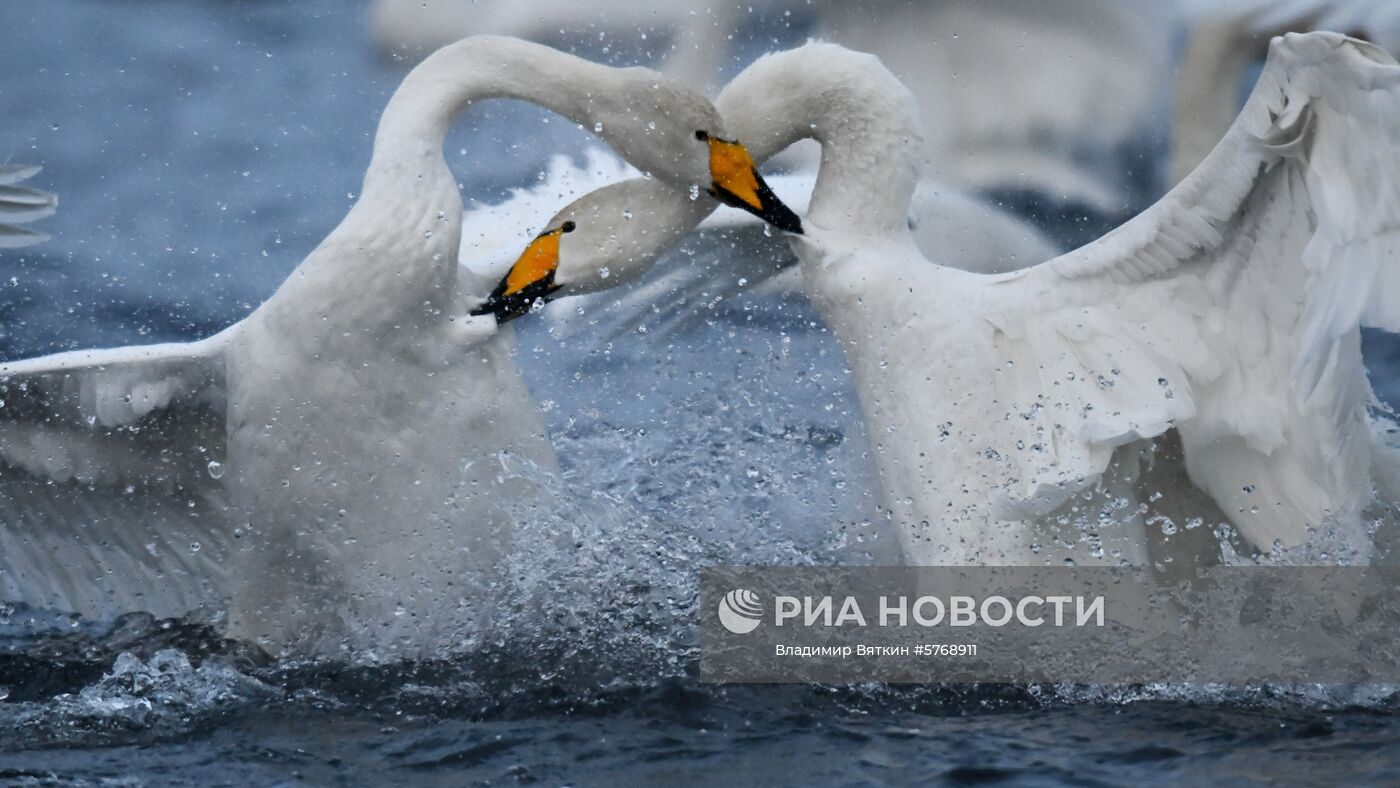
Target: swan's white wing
108, 496
21, 205
1226, 37
1231, 307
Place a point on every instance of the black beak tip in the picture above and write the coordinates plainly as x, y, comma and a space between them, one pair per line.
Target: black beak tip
784, 219
772, 210
508, 307
498, 308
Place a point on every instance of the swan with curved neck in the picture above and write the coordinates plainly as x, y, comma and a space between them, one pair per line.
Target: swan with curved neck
347, 462
1229, 311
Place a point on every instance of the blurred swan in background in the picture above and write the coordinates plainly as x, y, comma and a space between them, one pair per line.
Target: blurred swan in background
1042, 98
1225, 38
22, 205
692, 35
337, 462
1229, 311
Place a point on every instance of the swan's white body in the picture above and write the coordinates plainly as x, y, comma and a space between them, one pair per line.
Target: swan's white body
21, 205
334, 462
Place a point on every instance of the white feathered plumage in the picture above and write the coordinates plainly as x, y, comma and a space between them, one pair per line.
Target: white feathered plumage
1229, 310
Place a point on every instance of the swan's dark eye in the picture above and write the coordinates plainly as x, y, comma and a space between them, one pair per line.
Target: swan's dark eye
702, 135
568, 226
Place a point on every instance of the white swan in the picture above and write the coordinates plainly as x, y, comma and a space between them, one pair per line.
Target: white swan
334, 461
21, 205
1228, 311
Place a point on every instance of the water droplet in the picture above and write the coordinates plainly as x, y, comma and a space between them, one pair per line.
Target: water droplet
627, 215
694, 192
194, 547
598, 127
216, 469
604, 272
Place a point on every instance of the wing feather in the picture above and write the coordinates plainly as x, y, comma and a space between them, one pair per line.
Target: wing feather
107, 499
1231, 308
20, 205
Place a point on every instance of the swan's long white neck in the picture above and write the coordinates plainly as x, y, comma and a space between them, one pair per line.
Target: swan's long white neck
420, 112
405, 228
865, 119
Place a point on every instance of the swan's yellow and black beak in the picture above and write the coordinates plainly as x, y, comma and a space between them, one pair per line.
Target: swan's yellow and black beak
529, 281
736, 182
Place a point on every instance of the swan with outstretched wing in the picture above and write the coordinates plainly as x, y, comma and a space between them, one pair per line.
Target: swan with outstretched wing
335, 464
1229, 311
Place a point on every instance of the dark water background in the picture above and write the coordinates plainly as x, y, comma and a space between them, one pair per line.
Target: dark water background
201, 149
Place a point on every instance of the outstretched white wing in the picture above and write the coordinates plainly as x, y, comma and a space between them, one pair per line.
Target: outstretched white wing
1230, 309
110, 499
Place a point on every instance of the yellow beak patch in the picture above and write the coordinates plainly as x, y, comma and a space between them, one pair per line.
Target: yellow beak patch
736, 182
530, 282
540, 259
733, 170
